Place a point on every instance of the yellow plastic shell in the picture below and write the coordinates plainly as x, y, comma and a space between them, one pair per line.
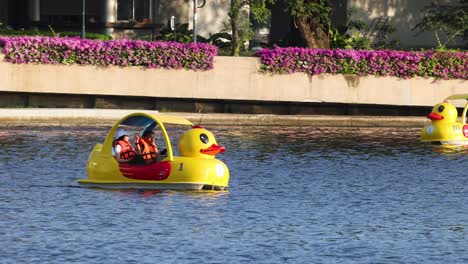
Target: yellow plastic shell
187, 173
448, 130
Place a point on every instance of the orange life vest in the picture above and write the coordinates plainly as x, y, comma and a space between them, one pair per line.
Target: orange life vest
127, 152
148, 151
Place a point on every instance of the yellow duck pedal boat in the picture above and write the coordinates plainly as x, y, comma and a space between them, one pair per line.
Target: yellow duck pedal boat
195, 169
445, 129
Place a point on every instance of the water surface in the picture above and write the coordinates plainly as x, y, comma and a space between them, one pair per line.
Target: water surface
297, 195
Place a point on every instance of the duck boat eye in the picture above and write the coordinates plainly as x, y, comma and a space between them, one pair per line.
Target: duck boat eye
441, 108
204, 138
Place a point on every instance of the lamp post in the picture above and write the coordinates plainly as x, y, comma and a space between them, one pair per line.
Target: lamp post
173, 27
83, 26
195, 17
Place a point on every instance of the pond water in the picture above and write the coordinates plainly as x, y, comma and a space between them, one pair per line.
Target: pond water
297, 195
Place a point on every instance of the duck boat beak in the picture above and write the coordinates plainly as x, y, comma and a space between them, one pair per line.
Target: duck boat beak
213, 150
434, 116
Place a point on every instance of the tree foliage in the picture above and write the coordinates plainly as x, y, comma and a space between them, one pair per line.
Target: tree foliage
451, 19
356, 34
239, 18
312, 18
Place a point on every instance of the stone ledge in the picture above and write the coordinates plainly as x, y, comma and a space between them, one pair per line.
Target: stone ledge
61, 117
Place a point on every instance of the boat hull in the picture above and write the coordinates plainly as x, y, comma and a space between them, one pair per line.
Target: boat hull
180, 173
450, 134
150, 186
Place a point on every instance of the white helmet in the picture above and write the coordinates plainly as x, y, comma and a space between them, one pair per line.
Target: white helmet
120, 132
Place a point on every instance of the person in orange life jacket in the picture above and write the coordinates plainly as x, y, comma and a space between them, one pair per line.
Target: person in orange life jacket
124, 151
147, 147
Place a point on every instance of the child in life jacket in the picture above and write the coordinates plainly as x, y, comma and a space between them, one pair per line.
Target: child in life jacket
147, 147
124, 151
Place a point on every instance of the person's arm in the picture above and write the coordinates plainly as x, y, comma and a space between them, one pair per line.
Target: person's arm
154, 145
137, 144
118, 149
156, 148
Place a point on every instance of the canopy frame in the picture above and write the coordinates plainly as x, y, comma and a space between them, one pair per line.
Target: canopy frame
150, 121
460, 97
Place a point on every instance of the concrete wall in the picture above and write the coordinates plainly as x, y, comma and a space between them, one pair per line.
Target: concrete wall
212, 18
232, 79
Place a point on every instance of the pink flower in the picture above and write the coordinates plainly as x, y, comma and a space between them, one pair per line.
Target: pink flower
364, 62
116, 52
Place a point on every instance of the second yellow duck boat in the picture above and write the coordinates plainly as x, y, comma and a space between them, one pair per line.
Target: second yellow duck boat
445, 128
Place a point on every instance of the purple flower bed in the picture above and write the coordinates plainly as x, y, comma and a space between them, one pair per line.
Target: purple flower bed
403, 64
54, 50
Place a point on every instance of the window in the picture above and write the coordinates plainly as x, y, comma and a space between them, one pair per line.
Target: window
137, 10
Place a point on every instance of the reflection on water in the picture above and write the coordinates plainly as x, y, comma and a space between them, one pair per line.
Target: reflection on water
297, 195
451, 149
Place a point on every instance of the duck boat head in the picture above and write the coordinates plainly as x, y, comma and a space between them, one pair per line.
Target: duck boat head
444, 127
198, 142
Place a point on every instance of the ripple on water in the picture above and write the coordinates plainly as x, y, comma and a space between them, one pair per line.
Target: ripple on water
297, 195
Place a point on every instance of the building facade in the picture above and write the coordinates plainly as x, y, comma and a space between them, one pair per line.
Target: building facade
404, 15
137, 18
119, 18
